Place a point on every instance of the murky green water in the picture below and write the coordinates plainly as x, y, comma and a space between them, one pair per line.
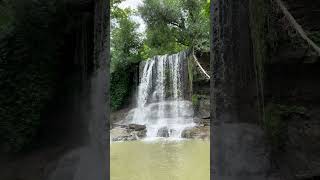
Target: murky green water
160, 160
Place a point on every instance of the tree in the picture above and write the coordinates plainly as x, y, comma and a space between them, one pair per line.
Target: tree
125, 54
125, 42
173, 25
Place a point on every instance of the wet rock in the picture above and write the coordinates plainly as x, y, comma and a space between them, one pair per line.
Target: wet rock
196, 132
163, 132
128, 133
202, 121
140, 134
119, 134
202, 109
120, 116
137, 127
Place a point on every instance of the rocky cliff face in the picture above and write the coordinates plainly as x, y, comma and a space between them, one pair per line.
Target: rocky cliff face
236, 135
291, 98
271, 87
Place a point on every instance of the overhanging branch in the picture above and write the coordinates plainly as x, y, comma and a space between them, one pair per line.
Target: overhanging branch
199, 65
297, 26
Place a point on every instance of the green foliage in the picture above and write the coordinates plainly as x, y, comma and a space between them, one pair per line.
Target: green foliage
125, 43
191, 71
175, 25
6, 17
145, 51
120, 88
315, 36
195, 100
276, 123
160, 41
126, 49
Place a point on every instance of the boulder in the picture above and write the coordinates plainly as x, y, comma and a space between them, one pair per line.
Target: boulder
202, 121
140, 134
196, 132
163, 132
128, 133
119, 134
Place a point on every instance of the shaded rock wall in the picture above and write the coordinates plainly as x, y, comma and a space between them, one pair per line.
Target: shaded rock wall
292, 80
233, 81
290, 86
238, 149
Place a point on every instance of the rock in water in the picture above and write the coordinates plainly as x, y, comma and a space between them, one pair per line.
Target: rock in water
202, 121
141, 133
130, 133
196, 133
119, 134
137, 127
163, 132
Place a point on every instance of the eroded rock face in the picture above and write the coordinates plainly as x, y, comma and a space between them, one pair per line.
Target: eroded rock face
196, 132
201, 105
204, 108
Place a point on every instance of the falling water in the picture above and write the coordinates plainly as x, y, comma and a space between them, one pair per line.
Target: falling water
160, 98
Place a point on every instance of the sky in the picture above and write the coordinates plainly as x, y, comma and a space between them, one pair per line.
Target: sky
133, 4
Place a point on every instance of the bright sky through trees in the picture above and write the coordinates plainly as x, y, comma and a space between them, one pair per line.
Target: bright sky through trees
133, 4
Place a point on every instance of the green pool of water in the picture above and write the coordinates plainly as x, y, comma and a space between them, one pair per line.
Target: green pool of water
160, 160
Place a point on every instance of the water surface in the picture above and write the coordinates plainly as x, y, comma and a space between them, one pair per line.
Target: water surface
160, 160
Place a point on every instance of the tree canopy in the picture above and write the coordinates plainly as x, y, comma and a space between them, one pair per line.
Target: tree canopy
173, 25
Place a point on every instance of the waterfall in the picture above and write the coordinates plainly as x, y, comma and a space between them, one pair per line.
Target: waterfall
160, 98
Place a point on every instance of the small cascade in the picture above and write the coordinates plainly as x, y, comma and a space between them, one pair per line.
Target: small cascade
161, 105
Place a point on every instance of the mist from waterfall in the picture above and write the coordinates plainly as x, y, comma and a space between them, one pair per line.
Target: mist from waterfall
160, 97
